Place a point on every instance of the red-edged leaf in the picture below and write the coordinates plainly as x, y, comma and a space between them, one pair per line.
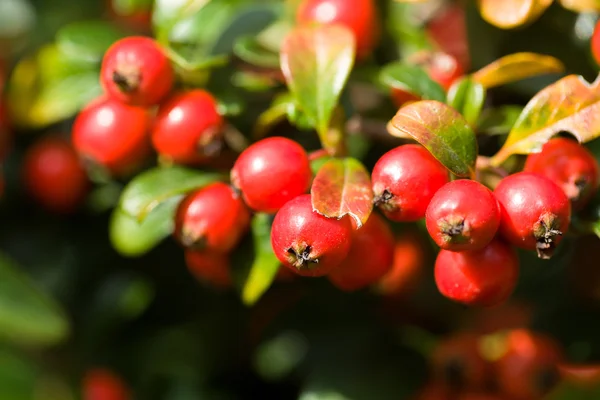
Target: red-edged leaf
343, 187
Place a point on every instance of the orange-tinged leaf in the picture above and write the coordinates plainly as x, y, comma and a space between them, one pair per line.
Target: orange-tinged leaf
581, 5
515, 67
509, 14
316, 61
570, 105
442, 130
343, 187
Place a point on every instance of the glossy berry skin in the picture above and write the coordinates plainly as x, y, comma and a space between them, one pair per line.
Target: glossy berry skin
112, 135
595, 43
271, 172
484, 277
371, 256
442, 68
102, 384
448, 29
463, 215
307, 242
535, 212
136, 71
212, 218
529, 368
407, 269
402, 97
188, 127
404, 181
209, 266
570, 165
360, 16
458, 364
54, 176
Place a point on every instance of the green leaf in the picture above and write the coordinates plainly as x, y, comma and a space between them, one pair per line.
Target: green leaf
18, 374
412, 79
343, 187
279, 109
17, 17
316, 62
467, 97
569, 105
499, 121
265, 265
133, 238
250, 50
155, 186
129, 7
442, 130
87, 40
28, 315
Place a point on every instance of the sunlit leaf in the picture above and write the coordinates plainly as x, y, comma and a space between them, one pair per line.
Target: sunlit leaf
316, 62
467, 97
265, 265
343, 187
149, 189
442, 130
509, 14
412, 79
87, 40
250, 50
516, 67
570, 105
581, 5
28, 315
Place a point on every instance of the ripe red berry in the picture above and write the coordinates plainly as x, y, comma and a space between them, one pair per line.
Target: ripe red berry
360, 16
136, 71
586, 375
433, 391
102, 384
209, 266
458, 364
595, 43
535, 212
54, 176
569, 165
307, 242
407, 269
463, 215
401, 97
441, 67
484, 277
448, 29
371, 256
188, 127
529, 368
112, 134
271, 172
404, 181
212, 218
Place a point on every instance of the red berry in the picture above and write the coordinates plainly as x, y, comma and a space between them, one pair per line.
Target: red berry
136, 71
401, 97
212, 218
535, 212
271, 172
595, 43
528, 368
407, 268
480, 396
54, 176
484, 277
370, 258
307, 242
441, 67
569, 165
112, 134
360, 16
448, 30
587, 375
209, 266
433, 391
101, 384
463, 215
188, 127
404, 181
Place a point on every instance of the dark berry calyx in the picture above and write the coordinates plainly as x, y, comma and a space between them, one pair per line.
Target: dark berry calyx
301, 258
192, 240
127, 79
384, 201
454, 229
545, 232
210, 143
576, 189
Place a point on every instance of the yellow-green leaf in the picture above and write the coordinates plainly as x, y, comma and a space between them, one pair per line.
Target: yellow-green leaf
570, 105
509, 14
581, 5
442, 130
516, 67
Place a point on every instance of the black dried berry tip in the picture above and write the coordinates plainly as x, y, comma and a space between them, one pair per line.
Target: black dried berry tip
302, 259
545, 231
383, 198
454, 228
127, 81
